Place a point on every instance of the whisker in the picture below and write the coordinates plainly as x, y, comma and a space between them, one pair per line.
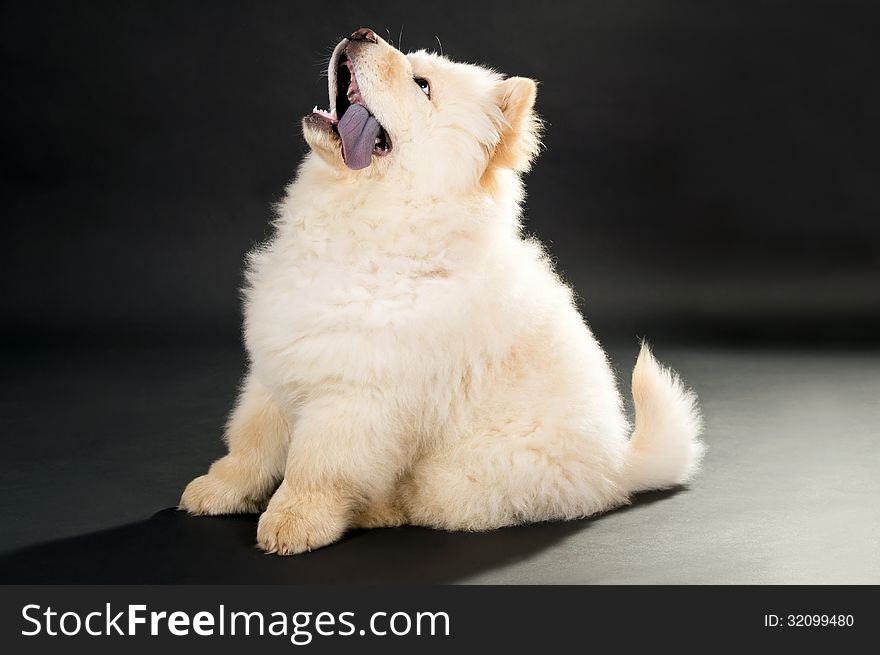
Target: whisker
400, 38
324, 61
440, 44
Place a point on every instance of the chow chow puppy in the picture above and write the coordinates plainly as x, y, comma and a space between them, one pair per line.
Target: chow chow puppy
414, 359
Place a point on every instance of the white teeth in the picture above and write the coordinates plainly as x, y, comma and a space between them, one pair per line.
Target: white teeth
330, 115
353, 94
353, 89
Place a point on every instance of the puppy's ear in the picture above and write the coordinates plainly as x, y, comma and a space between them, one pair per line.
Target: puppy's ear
521, 127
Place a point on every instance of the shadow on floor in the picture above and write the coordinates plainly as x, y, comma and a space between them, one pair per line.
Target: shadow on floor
174, 548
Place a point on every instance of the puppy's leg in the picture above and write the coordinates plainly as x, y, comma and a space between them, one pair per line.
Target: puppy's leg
347, 453
484, 482
258, 437
386, 513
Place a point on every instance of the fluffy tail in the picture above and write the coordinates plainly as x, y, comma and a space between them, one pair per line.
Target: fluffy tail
665, 449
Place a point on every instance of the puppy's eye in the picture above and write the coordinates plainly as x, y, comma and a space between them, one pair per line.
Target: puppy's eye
424, 85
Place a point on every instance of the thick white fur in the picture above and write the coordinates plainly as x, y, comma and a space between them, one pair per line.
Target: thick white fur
415, 359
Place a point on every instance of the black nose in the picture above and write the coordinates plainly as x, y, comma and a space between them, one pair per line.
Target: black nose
364, 34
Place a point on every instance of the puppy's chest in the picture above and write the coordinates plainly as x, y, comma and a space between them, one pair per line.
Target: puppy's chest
314, 296
357, 320
391, 285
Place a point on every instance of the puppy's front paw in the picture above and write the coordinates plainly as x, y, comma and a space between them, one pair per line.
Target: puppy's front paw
295, 523
209, 495
289, 532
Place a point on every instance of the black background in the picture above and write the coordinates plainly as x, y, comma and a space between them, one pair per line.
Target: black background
711, 170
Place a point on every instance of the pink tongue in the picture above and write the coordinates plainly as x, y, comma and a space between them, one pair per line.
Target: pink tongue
358, 130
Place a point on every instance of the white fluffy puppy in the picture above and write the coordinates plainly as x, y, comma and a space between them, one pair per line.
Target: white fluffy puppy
413, 358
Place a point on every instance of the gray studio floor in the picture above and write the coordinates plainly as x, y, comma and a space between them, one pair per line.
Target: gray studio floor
100, 437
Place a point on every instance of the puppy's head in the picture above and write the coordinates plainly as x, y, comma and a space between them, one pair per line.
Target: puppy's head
420, 119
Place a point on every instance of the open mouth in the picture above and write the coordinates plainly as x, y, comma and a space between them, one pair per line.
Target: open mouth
360, 133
